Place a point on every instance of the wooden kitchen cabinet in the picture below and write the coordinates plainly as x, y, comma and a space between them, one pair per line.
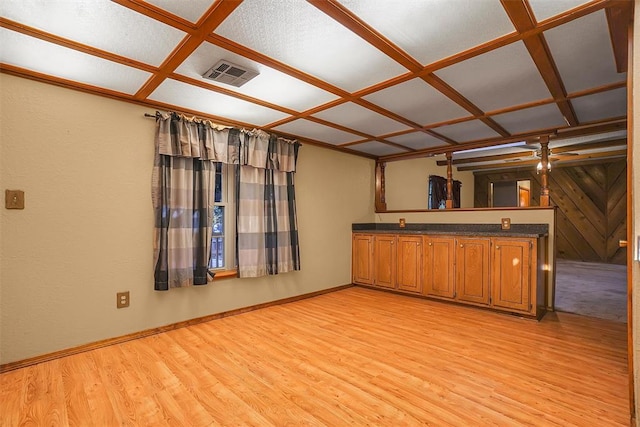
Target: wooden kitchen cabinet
502, 273
384, 264
512, 273
438, 266
362, 259
472, 270
409, 265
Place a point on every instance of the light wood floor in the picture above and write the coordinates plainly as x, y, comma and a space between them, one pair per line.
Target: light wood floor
352, 357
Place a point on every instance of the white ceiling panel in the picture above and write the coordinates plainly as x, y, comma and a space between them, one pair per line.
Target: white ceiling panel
501, 78
190, 10
416, 25
300, 35
101, 24
377, 148
417, 140
47, 58
196, 98
362, 119
542, 117
312, 130
418, 101
610, 104
543, 9
271, 85
583, 45
467, 131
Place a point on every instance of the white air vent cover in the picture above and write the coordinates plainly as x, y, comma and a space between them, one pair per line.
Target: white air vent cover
229, 73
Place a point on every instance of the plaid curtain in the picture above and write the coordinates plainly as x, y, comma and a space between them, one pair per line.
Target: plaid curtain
267, 228
182, 193
183, 185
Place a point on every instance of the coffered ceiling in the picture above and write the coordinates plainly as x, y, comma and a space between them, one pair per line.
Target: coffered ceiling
387, 79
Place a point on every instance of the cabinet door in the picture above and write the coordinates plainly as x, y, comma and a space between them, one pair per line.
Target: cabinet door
511, 273
384, 253
438, 266
472, 270
362, 259
410, 263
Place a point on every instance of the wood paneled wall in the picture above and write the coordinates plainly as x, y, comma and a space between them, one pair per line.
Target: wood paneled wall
591, 201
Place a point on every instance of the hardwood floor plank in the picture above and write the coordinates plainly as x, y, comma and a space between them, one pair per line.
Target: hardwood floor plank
353, 357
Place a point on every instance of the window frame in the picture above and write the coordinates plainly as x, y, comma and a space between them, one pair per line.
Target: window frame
227, 201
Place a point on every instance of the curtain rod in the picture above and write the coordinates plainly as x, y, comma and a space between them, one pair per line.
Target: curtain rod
153, 116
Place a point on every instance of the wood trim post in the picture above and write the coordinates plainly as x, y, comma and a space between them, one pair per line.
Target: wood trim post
544, 177
449, 202
380, 202
631, 231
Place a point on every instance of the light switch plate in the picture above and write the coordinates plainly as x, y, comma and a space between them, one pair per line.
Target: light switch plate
506, 223
14, 199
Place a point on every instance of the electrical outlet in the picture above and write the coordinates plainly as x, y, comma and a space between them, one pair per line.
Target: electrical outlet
122, 299
403, 223
506, 223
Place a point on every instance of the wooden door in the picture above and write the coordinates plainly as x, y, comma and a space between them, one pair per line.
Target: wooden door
511, 273
362, 259
439, 266
472, 270
410, 263
384, 262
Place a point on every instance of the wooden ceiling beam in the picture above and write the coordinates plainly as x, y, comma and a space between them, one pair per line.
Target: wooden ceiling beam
366, 136
345, 17
241, 50
590, 146
61, 41
456, 97
481, 159
563, 18
219, 89
603, 126
529, 152
619, 15
158, 14
554, 161
593, 128
217, 13
522, 18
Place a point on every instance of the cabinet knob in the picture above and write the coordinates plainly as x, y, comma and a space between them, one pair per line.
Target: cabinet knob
430, 243
418, 244
497, 247
461, 245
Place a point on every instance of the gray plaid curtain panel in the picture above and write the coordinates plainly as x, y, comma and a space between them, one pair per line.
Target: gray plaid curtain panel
182, 193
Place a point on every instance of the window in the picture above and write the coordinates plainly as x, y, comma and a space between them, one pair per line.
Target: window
222, 238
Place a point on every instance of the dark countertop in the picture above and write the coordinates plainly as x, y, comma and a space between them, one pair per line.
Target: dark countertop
489, 230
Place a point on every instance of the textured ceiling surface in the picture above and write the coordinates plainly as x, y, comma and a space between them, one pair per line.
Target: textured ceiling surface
386, 79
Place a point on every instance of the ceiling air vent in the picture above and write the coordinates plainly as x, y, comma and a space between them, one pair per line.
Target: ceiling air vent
229, 73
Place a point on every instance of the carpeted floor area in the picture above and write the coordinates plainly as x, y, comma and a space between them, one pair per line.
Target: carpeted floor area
592, 289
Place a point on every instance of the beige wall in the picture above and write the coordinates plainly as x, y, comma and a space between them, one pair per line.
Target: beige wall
407, 182
85, 163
